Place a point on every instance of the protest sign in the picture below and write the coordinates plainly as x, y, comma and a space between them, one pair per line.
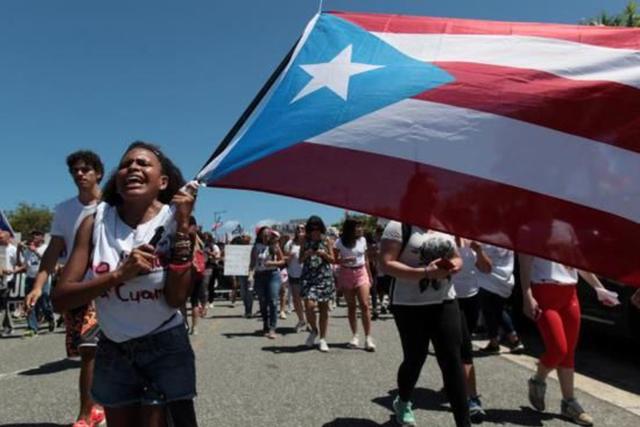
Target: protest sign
236, 260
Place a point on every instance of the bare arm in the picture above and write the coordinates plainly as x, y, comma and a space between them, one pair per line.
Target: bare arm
483, 262
71, 292
591, 279
178, 285
530, 305
279, 261
389, 263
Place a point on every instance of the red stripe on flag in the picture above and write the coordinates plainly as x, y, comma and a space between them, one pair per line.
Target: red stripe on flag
621, 38
601, 111
442, 199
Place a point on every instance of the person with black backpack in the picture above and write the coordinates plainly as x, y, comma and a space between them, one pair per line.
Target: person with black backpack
424, 307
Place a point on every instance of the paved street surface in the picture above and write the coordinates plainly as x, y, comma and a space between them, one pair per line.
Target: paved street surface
248, 380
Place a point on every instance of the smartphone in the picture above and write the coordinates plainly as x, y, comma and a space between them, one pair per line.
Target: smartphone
445, 264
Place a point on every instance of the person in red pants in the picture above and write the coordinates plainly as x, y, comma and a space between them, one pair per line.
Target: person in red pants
550, 300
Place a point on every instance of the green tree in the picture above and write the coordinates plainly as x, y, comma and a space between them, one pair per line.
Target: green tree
27, 217
629, 17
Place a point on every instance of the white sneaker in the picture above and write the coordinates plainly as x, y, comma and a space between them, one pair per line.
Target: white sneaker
369, 345
324, 347
354, 343
210, 305
311, 339
283, 315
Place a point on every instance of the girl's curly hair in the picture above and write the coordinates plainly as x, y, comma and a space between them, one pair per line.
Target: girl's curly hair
176, 181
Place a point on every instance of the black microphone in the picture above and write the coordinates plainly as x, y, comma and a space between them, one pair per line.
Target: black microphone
156, 236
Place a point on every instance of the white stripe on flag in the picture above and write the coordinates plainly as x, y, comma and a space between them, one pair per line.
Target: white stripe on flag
560, 57
499, 149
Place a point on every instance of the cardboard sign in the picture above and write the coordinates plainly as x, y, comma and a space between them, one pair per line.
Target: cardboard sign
236, 260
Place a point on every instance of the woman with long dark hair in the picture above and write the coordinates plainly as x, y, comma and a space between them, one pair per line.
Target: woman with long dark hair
266, 260
354, 278
139, 254
424, 307
318, 285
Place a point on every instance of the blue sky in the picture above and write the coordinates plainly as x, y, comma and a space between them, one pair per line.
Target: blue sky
98, 75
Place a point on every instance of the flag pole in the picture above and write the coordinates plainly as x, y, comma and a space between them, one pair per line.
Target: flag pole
251, 108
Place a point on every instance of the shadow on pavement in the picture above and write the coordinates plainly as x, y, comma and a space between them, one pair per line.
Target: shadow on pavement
423, 398
52, 368
358, 422
225, 316
523, 417
256, 333
287, 350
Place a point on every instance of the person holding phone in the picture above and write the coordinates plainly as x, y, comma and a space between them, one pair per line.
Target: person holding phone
424, 307
550, 299
144, 369
317, 281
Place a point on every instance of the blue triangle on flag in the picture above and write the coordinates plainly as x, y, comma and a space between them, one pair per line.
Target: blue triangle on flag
301, 108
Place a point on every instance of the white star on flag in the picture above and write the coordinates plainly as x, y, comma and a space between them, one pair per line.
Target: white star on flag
334, 75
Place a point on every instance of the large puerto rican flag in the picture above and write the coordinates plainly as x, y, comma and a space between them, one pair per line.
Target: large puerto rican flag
522, 135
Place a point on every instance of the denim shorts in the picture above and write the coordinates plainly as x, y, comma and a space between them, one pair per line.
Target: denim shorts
150, 370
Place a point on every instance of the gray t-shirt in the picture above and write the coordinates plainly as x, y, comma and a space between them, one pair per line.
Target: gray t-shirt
407, 292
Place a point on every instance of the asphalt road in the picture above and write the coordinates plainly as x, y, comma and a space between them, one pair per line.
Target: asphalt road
248, 380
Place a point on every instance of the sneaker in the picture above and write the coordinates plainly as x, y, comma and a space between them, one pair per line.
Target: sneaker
97, 417
354, 343
52, 325
193, 331
247, 315
7, 332
404, 414
515, 346
491, 348
300, 326
210, 305
272, 335
537, 390
369, 345
571, 409
283, 315
324, 347
374, 315
30, 334
476, 413
311, 339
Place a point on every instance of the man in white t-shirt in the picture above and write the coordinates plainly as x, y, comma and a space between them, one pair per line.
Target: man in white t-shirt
7, 279
87, 170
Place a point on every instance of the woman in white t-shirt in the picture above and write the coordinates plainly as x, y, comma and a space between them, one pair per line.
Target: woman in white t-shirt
424, 307
354, 279
551, 301
140, 256
294, 267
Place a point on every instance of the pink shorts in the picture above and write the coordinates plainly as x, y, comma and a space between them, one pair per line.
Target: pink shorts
353, 278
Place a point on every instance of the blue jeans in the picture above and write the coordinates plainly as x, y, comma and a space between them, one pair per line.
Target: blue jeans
246, 294
267, 286
150, 370
43, 306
